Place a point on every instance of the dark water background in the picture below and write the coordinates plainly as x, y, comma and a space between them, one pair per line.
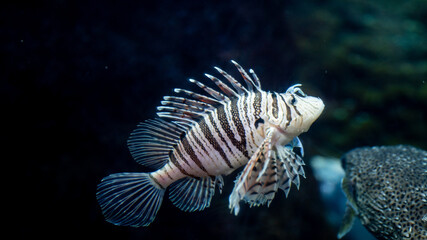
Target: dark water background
77, 76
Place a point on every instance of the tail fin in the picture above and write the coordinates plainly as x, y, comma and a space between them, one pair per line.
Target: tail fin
130, 199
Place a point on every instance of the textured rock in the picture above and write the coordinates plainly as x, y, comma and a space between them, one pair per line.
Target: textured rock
386, 188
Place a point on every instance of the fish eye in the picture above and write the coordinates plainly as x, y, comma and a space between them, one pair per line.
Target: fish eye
293, 100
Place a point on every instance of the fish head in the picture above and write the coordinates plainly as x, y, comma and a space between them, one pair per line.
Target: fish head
302, 110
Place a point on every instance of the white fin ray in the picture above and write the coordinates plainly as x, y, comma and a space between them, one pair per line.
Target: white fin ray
129, 199
182, 120
165, 111
261, 188
183, 106
217, 95
251, 84
185, 112
268, 149
151, 142
226, 89
191, 194
289, 168
186, 124
243, 181
256, 79
270, 168
239, 88
189, 102
199, 97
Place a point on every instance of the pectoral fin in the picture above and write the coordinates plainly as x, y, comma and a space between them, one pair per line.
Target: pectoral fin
349, 192
347, 222
250, 175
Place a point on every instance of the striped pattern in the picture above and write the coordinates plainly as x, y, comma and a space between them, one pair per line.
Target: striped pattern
224, 130
221, 141
199, 138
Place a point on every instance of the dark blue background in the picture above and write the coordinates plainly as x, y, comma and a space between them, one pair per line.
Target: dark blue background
77, 77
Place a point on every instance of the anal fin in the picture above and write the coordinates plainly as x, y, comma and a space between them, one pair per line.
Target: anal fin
194, 194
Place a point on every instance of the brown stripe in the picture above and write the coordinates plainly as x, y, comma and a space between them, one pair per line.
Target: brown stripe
288, 112
257, 105
274, 104
269, 192
176, 162
270, 183
168, 175
248, 121
190, 151
296, 110
155, 180
295, 107
211, 139
222, 116
254, 185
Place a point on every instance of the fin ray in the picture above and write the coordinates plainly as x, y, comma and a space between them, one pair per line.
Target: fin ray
198, 97
191, 194
239, 88
129, 199
245, 76
227, 90
189, 102
244, 179
347, 222
217, 95
256, 79
151, 142
290, 168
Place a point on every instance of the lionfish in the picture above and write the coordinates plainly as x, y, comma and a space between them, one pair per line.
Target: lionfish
200, 138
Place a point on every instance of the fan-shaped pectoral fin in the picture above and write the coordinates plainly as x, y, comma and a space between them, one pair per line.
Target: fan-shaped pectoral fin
242, 183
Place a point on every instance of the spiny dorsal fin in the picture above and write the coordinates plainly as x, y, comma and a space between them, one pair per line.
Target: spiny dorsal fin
198, 97
183, 116
239, 88
257, 82
185, 112
183, 106
227, 90
189, 102
251, 84
219, 96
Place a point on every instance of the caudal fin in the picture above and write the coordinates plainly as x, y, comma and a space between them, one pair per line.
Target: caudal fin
130, 199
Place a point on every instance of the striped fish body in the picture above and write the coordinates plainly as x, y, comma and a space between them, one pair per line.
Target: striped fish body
205, 137
222, 141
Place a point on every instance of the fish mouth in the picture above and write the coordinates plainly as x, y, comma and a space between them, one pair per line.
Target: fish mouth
318, 106
315, 109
